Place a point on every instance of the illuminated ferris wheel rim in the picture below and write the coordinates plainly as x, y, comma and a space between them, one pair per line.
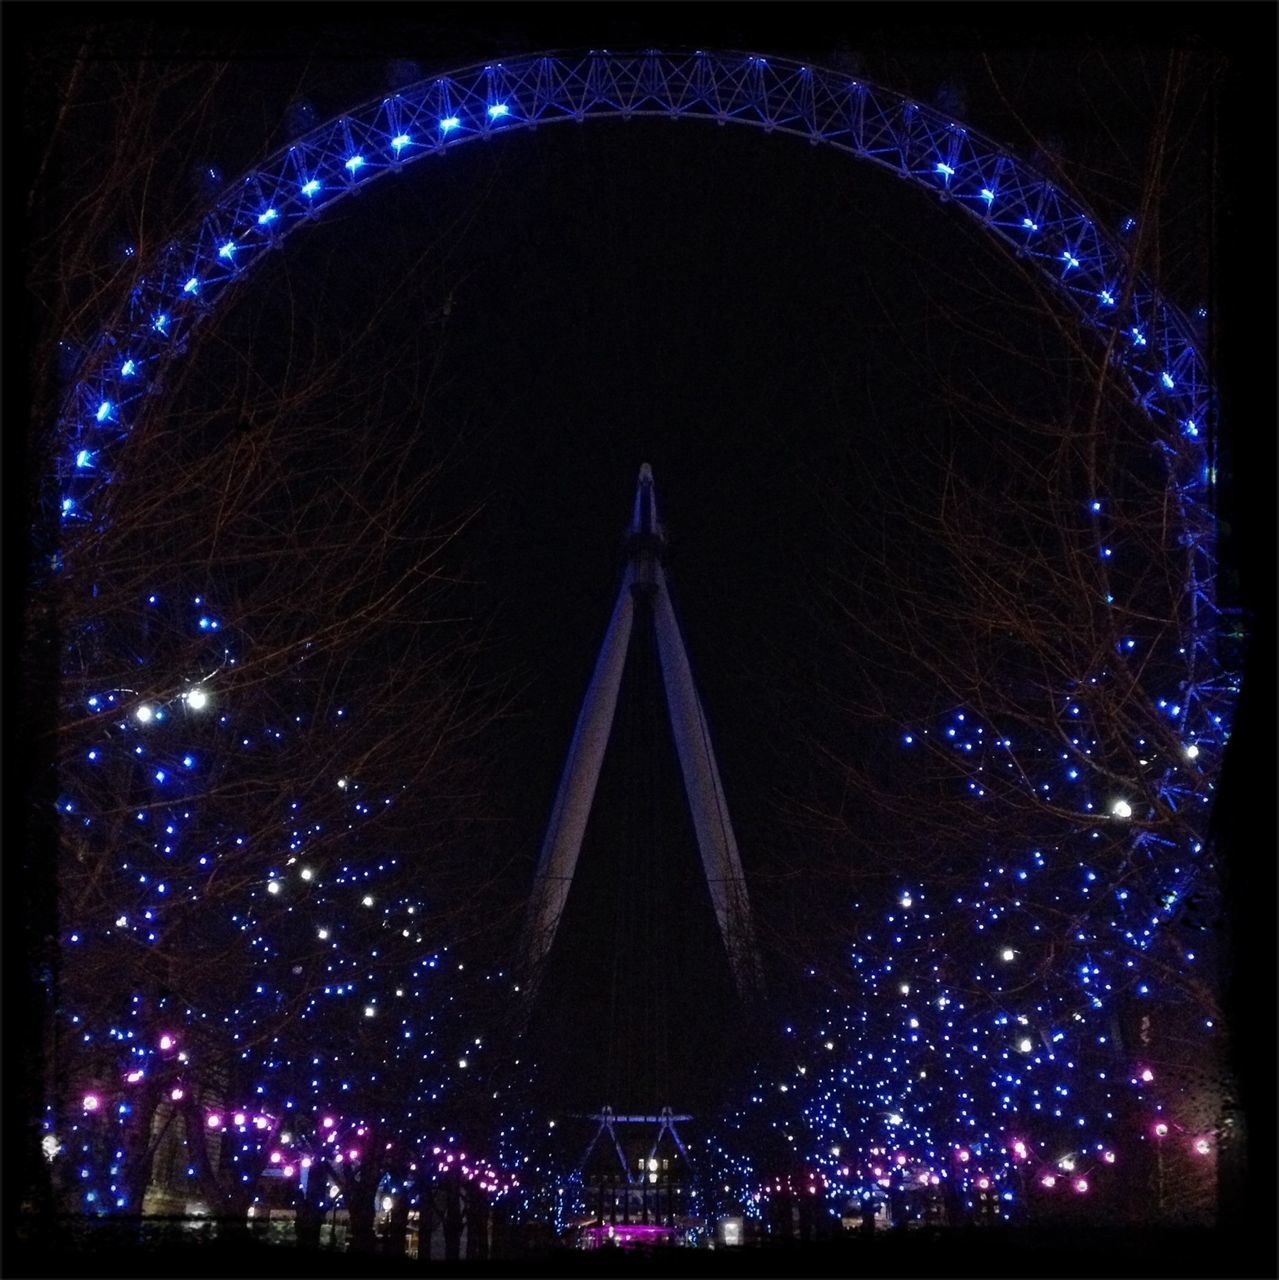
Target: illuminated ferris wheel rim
1152, 342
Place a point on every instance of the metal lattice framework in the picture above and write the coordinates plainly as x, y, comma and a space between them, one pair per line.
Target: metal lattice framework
1086, 266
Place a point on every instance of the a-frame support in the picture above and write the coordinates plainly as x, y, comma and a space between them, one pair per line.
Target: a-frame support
720, 860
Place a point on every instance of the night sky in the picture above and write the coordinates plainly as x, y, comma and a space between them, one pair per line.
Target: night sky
774, 328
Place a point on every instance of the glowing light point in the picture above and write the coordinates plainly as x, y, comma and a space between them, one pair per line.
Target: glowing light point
449, 123
1081, 1185
144, 714
945, 170
227, 250
1121, 809
196, 699
1107, 298
1146, 1074
1108, 1157
963, 1155
366, 901
1069, 259
310, 187
177, 1093
323, 935
1007, 955
1192, 752
1202, 1146
191, 286
104, 411
1025, 1044
1161, 1130
327, 1122
127, 369
214, 1122
461, 1062
1138, 337
267, 216
1166, 379
354, 163
906, 900
400, 141
273, 886
987, 195
1048, 1180
498, 109
91, 1102
1192, 429
1029, 225
306, 873
369, 1011
83, 458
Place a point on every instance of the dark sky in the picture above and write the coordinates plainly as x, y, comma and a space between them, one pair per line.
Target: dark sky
756, 318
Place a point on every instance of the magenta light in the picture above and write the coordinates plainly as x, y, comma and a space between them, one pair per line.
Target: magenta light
176, 1094
1108, 1157
1048, 1180
91, 1102
1081, 1185
276, 1157
214, 1121
983, 1183
239, 1118
1203, 1146
133, 1077
327, 1122
166, 1041
1161, 1130
1147, 1075
963, 1156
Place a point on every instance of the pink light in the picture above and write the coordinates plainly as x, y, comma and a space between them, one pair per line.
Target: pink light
1203, 1146
923, 1177
327, 1122
260, 1122
1108, 1157
91, 1102
306, 1162
337, 1158
1019, 1150
276, 1157
1081, 1185
176, 1094
133, 1077
963, 1156
1146, 1074
984, 1183
879, 1173
1161, 1130
934, 1180
167, 1041
214, 1121
1048, 1180
239, 1118
352, 1154
901, 1159
288, 1171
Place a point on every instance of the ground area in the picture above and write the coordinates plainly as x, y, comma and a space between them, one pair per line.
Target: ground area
989, 1253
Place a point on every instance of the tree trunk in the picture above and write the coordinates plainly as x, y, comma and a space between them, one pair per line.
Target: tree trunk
361, 1209
453, 1215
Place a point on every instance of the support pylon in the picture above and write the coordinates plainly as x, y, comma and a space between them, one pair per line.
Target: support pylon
721, 863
